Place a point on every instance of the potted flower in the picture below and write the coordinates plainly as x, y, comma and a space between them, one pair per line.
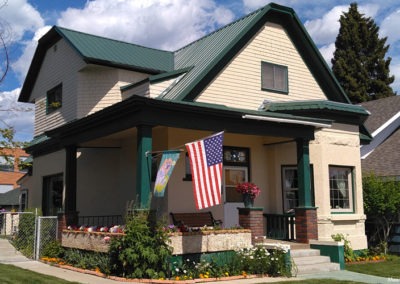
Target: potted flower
249, 192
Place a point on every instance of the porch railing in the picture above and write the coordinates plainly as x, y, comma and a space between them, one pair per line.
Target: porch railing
106, 220
280, 226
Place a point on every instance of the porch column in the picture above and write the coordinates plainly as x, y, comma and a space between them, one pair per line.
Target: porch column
70, 215
306, 214
143, 165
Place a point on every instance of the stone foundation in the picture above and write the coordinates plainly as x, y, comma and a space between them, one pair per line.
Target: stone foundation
94, 241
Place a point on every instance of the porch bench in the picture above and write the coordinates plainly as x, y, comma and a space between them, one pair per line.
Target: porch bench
195, 220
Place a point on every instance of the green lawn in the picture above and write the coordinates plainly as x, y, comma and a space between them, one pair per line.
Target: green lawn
315, 281
388, 269
10, 274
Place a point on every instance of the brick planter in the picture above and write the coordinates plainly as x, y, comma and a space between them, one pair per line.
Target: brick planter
93, 241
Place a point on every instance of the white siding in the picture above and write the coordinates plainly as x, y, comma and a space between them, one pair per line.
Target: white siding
99, 87
239, 84
60, 65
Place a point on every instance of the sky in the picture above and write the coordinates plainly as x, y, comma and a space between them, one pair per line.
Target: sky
162, 24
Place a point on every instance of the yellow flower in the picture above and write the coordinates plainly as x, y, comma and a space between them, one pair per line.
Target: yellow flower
226, 274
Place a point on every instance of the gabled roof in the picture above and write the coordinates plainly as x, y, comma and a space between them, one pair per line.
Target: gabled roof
10, 197
210, 54
99, 50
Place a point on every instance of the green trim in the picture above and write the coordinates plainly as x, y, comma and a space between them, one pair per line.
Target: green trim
304, 173
334, 251
286, 91
133, 85
143, 170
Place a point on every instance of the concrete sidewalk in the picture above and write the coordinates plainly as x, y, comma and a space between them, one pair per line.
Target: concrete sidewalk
8, 255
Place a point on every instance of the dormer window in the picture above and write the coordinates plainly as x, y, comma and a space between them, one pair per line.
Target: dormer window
54, 99
274, 77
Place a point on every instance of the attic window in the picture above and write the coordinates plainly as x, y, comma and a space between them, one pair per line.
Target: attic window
54, 99
274, 77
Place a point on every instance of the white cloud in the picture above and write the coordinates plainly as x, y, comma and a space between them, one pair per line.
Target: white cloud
19, 17
21, 65
165, 24
16, 115
327, 52
389, 27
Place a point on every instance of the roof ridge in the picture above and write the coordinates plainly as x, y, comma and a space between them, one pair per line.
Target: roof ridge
110, 39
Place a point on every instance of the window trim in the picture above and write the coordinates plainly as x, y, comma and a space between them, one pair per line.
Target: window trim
52, 92
275, 90
351, 190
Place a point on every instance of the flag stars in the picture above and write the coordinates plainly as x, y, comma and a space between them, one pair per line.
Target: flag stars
213, 148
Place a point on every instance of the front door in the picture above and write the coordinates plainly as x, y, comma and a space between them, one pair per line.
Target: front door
232, 199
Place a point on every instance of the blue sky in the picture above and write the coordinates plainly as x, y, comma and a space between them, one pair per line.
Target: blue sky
164, 24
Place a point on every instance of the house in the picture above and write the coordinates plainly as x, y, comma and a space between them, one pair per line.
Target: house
101, 106
10, 172
382, 156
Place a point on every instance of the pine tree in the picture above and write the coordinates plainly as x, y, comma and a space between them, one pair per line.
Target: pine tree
359, 61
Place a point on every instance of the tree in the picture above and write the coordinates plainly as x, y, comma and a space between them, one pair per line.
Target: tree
359, 61
382, 206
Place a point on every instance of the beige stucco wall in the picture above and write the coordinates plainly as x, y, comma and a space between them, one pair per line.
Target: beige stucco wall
46, 165
239, 83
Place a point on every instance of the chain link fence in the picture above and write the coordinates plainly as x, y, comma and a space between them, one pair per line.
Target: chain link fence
28, 232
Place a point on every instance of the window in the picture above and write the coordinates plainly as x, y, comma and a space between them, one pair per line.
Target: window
290, 187
274, 77
23, 200
235, 156
341, 188
52, 195
7, 163
54, 99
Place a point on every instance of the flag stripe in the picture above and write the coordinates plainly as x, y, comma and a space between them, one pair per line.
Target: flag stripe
206, 165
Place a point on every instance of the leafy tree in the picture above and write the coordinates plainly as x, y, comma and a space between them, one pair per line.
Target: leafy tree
382, 206
359, 61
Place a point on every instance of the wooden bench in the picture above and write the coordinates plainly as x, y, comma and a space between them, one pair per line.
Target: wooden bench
197, 219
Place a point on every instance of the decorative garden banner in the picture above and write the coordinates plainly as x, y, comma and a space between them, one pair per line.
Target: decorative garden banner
167, 165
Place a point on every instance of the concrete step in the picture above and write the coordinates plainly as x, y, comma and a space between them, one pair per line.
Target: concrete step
316, 268
304, 252
306, 260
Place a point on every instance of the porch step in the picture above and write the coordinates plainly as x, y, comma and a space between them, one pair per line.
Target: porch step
309, 261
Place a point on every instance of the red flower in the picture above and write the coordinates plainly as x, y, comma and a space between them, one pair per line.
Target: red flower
248, 188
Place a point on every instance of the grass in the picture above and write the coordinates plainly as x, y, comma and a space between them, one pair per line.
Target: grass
10, 274
388, 269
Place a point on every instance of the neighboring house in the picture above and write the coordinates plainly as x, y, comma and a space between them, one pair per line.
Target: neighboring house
10, 170
102, 105
382, 155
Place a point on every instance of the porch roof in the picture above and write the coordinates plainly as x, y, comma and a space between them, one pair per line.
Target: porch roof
197, 116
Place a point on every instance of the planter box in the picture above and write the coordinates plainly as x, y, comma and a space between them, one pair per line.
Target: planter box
182, 243
210, 241
93, 241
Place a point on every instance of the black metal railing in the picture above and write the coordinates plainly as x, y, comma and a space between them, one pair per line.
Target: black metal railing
106, 220
280, 226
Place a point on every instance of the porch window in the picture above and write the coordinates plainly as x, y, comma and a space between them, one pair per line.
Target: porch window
52, 194
54, 99
341, 188
290, 187
274, 77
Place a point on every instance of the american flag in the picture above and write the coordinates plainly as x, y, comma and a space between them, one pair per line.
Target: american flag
206, 165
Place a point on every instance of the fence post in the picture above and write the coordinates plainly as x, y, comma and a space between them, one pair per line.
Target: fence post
35, 239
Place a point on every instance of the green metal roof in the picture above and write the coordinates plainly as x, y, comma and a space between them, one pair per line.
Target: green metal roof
210, 54
314, 105
115, 52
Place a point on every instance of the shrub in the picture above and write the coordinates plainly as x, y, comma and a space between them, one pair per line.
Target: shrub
88, 260
143, 251
348, 251
53, 249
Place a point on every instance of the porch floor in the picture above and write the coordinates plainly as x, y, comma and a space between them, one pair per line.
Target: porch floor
293, 244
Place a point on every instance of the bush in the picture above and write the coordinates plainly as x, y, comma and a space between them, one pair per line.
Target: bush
25, 238
53, 249
348, 251
88, 260
143, 251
